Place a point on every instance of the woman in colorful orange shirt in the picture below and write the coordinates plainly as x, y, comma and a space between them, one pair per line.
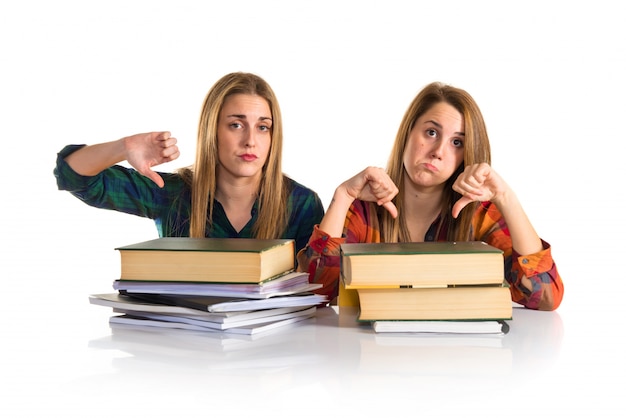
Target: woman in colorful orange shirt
438, 186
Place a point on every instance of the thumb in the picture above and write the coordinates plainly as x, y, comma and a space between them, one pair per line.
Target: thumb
154, 176
459, 205
391, 208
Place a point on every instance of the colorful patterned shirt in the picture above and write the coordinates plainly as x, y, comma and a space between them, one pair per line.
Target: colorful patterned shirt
321, 257
126, 190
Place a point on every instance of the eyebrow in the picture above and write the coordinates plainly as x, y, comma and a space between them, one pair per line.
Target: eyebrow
238, 116
438, 125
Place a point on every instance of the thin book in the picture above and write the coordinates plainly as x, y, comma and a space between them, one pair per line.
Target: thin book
133, 306
270, 315
232, 304
442, 327
243, 330
286, 284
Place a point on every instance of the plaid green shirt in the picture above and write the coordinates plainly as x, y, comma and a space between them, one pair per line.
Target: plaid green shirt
125, 190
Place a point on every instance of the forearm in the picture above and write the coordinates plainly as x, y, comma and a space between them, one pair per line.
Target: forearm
92, 159
335, 217
535, 281
524, 238
321, 259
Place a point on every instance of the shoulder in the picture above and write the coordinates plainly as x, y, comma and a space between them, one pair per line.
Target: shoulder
296, 187
298, 190
174, 179
302, 198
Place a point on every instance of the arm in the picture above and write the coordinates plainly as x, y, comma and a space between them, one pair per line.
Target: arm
480, 182
370, 185
321, 258
346, 217
531, 272
142, 151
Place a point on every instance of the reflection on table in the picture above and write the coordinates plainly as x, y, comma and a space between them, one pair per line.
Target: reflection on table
331, 350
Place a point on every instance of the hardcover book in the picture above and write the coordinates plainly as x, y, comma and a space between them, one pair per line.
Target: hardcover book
216, 260
420, 264
439, 303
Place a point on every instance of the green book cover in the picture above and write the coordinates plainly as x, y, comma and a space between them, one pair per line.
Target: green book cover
430, 247
207, 244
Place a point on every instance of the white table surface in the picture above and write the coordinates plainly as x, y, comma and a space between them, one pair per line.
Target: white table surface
68, 363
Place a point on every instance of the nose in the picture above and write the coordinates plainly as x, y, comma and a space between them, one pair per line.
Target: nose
249, 138
437, 150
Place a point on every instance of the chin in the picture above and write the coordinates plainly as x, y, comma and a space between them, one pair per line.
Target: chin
426, 182
248, 173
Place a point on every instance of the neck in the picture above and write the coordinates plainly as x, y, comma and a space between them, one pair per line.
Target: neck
237, 191
423, 203
420, 208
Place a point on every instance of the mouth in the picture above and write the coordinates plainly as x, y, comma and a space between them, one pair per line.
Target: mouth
430, 167
248, 157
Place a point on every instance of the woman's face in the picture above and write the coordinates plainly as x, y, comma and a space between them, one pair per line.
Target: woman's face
243, 135
434, 149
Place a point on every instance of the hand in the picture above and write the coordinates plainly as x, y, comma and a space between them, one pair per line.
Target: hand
144, 151
373, 185
478, 182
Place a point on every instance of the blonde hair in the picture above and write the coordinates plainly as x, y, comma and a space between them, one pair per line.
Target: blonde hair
476, 150
202, 176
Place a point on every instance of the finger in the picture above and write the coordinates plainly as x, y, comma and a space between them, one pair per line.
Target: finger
154, 176
459, 205
170, 154
383, 193
474, 183
478, 176
383, 190
391, 208
160, 138
463, 188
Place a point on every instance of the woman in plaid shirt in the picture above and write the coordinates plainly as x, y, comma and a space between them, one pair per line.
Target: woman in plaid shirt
438, 186
236, 187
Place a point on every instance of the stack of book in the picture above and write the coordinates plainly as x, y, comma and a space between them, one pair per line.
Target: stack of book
234, 285
450, 287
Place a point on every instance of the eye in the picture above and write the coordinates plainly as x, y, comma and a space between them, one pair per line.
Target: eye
264, 128
431, 133
235, 125
458, 143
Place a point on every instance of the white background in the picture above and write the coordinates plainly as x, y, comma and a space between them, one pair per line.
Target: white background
548, 76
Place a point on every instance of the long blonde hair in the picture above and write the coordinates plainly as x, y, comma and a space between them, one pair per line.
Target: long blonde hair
476, 150
202, 176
